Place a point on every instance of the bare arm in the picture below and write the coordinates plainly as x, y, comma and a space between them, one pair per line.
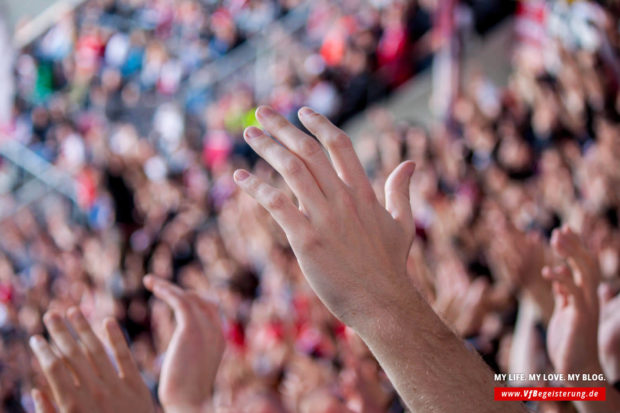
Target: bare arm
353, 252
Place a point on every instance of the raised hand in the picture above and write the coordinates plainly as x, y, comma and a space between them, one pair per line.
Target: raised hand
519, 258
194, 352
352, 250
609, 333
568, 245
80, 374
572, 331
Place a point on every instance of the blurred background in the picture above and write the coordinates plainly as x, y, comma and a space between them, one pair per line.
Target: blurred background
121, 125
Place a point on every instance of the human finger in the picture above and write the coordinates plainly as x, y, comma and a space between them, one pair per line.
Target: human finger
302, 145
69, 348
95, 350
120, 350
397, 200
563, 276
55, 371
340, 148
172, 295
289, 166
275, 202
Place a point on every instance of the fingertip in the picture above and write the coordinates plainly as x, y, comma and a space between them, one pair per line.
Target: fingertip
241, 175
554, 236
252, 132
73, 313
305, 112
51, 317
264, 111
410, 165
605, 292
148, 281
36, 342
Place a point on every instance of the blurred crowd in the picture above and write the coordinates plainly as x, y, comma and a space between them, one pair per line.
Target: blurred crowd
102, 97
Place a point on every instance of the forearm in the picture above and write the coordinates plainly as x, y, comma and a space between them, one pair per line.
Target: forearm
429, 366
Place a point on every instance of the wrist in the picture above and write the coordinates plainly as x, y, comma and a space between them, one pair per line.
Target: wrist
386, 311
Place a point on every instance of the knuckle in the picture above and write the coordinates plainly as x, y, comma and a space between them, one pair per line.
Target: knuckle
276, 201
348, 201
55, 366
292, 166
280, 124
340, 140
367, 193
309, 240
308, 148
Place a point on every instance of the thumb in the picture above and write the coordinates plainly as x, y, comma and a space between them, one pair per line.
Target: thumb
397, 200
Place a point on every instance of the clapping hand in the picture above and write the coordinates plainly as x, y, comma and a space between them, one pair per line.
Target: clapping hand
81, 376
572, 330
194, 352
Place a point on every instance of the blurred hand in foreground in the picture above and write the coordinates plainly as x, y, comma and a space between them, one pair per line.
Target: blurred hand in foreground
80, 374
572, 330
194, 352
609, 332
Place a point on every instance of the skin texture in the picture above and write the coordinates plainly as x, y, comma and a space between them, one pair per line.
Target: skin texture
574, 322
79, 372
197, 342
572, 331
353, 252
609, 332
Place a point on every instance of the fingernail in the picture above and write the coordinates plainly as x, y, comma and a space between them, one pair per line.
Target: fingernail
51, 318
253, 132
306, 111
72, 313
240, 175
412, 166
36, 342
264, 112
